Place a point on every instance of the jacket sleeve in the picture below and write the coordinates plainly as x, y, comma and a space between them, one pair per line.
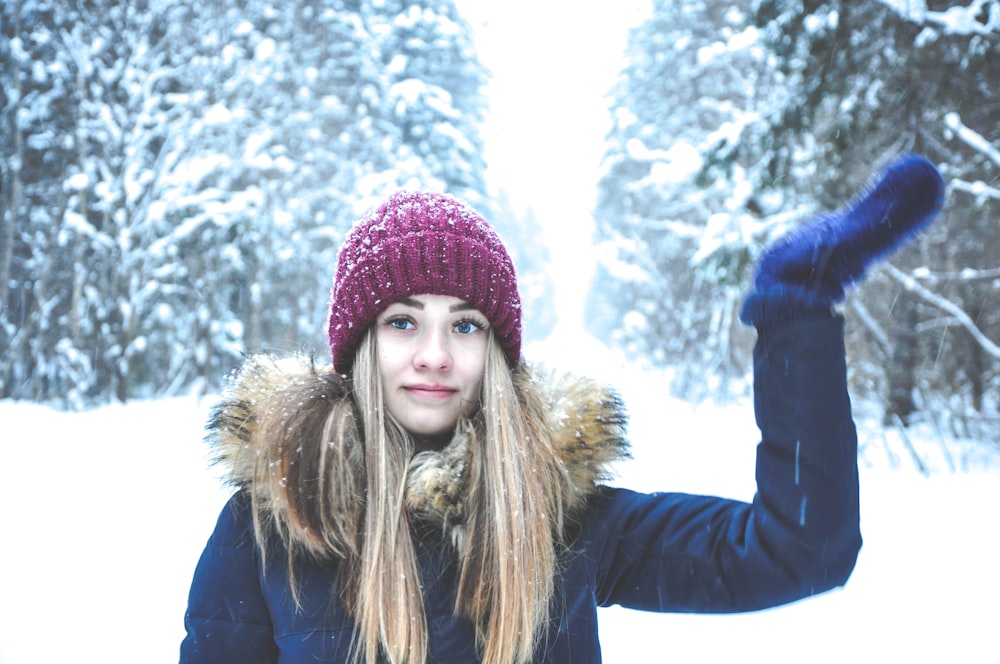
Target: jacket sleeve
227, 619
799, 536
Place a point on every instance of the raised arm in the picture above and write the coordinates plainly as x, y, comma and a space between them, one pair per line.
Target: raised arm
800, 535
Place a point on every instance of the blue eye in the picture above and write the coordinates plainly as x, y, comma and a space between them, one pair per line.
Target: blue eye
400, 323
468, 326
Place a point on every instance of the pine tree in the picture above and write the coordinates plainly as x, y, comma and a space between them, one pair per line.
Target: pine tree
434, 95
174, 198
37, 270
877, 79
677, 200
731, 127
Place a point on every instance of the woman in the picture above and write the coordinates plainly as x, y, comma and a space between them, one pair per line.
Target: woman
433, 498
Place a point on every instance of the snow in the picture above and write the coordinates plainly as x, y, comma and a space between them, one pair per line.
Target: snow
737, 42
265, 50
974, 140
973, 18
77, 182
106, 512
676, 164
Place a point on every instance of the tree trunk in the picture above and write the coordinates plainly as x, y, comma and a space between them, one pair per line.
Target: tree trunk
973, 361
901, 372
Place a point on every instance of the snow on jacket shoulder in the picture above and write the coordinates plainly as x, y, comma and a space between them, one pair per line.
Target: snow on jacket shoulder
657, 552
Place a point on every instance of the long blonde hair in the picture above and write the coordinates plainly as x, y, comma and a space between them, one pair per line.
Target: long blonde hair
515, 521
344, 497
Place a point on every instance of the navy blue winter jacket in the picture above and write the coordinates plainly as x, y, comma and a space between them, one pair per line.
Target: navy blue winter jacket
658, 552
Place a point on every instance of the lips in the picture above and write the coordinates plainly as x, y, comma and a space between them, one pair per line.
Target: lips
431, 391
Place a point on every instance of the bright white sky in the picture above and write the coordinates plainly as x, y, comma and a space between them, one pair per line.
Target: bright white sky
553, 64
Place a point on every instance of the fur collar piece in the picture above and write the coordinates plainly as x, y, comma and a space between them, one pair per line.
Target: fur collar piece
584, 420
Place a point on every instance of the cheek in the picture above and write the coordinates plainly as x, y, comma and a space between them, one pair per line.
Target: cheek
474, 380
474, 388
388, 367
390, 355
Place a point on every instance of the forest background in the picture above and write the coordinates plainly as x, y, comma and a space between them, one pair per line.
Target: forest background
174, 197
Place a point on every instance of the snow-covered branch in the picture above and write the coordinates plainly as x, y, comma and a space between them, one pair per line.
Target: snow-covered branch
911, 284
973, 139
977, 188
979, 17
965, 274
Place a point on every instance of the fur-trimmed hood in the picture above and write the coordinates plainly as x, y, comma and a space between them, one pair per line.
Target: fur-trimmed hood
586, 423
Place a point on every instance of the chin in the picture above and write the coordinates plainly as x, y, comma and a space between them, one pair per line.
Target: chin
430, 428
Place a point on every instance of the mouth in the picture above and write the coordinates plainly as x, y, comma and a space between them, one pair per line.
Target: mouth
431, 392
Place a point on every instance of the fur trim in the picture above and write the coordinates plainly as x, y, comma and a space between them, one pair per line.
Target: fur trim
586, 422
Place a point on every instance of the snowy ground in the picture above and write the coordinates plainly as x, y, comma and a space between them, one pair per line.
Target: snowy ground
105, 513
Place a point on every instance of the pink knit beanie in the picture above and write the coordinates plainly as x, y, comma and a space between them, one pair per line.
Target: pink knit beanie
421, 243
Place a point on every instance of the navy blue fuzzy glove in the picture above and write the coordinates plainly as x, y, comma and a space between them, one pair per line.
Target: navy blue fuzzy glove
807, 270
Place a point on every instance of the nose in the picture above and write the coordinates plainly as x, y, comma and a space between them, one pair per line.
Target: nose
433, 351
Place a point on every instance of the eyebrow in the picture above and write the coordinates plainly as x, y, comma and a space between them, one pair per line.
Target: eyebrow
417, 304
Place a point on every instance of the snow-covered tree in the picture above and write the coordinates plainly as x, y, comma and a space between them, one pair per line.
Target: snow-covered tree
884, 78
679, 200
731, 125
284, 131
37, 256
519, 228
434, 95
174, 197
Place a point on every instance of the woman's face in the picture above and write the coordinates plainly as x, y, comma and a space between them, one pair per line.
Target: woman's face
431, 358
